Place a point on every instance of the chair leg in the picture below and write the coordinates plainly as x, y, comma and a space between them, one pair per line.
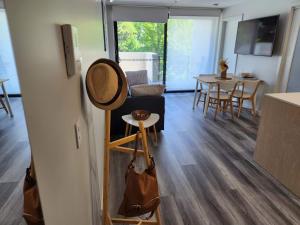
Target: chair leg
240, 106
199, 98
205, 98
253, 107
3, 105
225, 105
231, 109
217, 108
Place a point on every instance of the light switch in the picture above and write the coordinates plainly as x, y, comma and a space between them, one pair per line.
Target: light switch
77, 134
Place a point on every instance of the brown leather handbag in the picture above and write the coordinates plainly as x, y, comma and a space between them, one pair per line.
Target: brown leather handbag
141, 193
32, 211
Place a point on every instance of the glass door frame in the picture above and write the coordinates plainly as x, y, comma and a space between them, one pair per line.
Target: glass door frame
164, 48
115, 25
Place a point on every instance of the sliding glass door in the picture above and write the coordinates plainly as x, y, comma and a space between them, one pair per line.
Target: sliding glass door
172, 53
191, 50
140, 46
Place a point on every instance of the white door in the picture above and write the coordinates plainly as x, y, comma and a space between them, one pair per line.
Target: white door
191, 50
290, 69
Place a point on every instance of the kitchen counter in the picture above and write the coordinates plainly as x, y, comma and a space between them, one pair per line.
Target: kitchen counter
278, 140
292, 98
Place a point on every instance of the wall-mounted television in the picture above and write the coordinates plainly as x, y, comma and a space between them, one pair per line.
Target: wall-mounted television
257, 36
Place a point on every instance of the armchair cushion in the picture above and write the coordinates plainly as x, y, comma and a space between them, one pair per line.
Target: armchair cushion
136, 77
147, 90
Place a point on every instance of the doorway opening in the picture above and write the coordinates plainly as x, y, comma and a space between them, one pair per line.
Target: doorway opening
15, 149
172, 53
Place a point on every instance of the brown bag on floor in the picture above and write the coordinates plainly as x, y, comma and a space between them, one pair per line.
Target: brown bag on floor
32, 211
141, 194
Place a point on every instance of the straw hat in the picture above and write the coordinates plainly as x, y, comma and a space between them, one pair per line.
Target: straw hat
106, 84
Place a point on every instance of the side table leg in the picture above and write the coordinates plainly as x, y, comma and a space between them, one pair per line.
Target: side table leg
126, 129
155, 134
130, 129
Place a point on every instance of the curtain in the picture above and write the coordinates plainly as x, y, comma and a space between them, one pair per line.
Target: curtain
191, 50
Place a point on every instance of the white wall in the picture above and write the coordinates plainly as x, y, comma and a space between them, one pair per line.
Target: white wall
266, 68
67, 177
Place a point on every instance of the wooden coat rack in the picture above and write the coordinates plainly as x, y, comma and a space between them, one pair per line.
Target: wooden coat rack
117, 146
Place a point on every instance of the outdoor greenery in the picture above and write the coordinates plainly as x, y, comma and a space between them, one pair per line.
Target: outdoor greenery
190, 46
141, 37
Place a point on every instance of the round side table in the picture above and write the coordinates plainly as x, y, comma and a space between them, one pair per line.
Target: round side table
150, 122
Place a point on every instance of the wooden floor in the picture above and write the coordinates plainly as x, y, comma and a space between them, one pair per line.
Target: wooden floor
14, 158
207, 174
206, 171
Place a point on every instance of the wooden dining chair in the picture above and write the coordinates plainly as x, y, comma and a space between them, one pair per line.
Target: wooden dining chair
247, 92
3, 106
203, 94
223, 95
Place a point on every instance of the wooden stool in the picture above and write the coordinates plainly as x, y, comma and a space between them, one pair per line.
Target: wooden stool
150, 122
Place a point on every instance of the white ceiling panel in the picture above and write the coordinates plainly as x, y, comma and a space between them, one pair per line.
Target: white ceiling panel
179, 3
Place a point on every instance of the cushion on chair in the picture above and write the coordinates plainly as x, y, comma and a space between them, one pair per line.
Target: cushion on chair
147, 90
136, 77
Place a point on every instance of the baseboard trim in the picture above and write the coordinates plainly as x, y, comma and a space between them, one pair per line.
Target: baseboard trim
12, 95
180, 91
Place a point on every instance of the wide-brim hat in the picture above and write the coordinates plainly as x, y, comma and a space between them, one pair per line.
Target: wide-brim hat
106, 84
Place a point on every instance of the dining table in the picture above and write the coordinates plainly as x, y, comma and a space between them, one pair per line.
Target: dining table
211, 80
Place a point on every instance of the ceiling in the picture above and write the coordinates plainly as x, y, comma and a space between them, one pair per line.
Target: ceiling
178, 3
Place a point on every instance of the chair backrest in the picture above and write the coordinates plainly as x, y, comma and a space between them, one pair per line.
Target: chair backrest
136, 77
250, 86
226, 85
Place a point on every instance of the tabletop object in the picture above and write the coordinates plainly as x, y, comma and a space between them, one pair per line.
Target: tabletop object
150, 122
140, 114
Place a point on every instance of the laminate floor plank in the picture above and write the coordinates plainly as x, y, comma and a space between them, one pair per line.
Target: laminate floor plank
206, 171
14, 159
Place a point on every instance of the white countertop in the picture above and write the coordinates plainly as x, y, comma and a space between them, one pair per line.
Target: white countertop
292, 98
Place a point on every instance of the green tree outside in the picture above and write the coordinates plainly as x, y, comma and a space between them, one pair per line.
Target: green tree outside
141, 37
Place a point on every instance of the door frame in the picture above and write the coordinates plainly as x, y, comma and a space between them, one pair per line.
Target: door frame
223, 22
287, 52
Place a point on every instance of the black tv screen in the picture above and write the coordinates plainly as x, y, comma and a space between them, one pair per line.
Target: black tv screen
257, 36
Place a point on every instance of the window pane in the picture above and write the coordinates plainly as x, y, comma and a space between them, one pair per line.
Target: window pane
141, 47
7, 60
191, 50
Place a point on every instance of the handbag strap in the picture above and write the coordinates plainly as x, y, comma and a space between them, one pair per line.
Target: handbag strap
152, 165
